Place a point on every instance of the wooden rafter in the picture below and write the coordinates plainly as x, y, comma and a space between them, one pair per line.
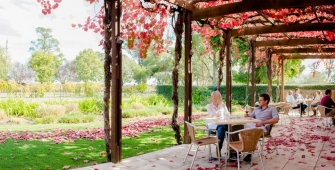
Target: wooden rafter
304, 50
254, 5
292, 42
283, 28
272, 23
308, 57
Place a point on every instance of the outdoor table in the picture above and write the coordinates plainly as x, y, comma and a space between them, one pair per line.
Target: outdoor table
231, 121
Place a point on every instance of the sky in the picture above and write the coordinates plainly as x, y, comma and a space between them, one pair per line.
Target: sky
20, 18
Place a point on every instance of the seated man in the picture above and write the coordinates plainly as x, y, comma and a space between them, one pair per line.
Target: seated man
300, 100
267, 115
328, 102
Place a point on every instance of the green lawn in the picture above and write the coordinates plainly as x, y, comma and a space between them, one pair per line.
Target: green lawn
45, 155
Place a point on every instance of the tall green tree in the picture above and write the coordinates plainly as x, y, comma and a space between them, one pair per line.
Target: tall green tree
88, 66
5, 64
46, 43
45, 65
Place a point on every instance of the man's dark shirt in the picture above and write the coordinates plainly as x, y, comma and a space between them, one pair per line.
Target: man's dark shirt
327, 102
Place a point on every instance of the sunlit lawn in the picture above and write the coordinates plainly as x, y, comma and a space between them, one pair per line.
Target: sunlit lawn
45, 155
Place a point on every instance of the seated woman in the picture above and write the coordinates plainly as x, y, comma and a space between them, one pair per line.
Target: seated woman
217, 108
316, 102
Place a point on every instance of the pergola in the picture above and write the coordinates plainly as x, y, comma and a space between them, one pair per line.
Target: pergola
277, 34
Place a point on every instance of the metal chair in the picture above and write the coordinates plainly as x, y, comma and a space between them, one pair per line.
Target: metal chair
198, 142
326, 120
249, 139
284, 113
267, 134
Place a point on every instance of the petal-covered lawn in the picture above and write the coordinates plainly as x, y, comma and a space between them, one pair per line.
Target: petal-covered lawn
63, 149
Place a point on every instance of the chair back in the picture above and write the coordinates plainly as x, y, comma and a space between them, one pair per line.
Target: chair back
287, 108
249, 138
322, 110
191, 131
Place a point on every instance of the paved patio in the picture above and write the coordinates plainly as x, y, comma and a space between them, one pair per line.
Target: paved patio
301, 145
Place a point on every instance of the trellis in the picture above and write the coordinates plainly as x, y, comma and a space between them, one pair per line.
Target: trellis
258, 23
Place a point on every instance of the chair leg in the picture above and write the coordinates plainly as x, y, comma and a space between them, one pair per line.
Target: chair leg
188, 152
260, 156
217, 147
238, 160
274, 144
195, 155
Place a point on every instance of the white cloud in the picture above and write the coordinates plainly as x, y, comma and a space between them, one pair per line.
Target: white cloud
19, 18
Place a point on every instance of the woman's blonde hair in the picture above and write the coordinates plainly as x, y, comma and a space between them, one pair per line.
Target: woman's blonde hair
216, 95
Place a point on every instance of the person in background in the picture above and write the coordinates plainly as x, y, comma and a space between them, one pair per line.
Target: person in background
316, 102
267, 115
300, 100
290, 98
217, 108
328, 102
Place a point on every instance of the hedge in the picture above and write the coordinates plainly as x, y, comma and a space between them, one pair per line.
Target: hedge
238, 91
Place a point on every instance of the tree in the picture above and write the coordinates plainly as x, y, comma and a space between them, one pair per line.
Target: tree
88, 66
128, 70
46, 43
21, 73
67, 72
45, 65
5, 63
319, 78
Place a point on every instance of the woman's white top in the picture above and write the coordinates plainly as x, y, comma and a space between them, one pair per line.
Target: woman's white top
212, 111
318, 97
291, 99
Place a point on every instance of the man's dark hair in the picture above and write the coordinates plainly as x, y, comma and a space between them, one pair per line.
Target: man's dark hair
328, 91
296, 89
265, 97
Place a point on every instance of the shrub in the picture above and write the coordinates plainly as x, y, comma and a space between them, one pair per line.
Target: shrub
135, 113
165, 110
158, 100
71, 107
2, 114
18, 107
142, 87
78, 88
91, 105
128, 90
45, 110
200, 95
14, 120
46, 120
88, 118
69, 119
234, 108
137, 106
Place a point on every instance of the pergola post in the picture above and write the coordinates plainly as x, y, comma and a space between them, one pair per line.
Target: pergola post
282, 80
228, 70
188, 75
116, 127
269, 71
253, 72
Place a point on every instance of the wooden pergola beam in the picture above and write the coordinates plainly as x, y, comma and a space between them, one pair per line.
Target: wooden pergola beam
254, 5
308, 57
292, 42
283, 28
304, 50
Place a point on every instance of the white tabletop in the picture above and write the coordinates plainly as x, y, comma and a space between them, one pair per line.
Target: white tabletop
235, 120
